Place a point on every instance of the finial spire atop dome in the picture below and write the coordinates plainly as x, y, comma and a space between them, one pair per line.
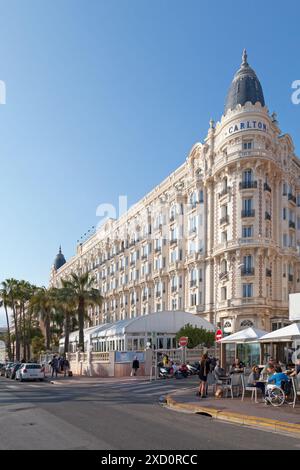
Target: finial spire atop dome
245, 87
245, 59
59, 260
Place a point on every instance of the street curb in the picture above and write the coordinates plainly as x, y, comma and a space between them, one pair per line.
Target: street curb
281, 427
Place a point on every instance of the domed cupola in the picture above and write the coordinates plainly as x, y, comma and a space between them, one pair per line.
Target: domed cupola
59, 260
244, 87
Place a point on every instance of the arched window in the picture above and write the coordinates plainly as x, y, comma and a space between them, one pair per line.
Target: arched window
247, 324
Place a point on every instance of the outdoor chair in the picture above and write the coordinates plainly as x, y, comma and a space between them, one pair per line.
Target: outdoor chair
248, 388
225, 384
296, 389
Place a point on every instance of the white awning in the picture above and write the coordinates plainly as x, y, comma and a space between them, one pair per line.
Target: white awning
166, 322
244, 336
288, 333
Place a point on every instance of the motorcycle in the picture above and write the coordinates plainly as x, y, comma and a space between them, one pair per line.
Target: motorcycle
192, 369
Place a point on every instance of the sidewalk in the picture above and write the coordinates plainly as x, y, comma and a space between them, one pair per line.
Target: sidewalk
284, 419
86, 380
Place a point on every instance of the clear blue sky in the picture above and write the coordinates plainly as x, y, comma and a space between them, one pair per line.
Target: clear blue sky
107, 98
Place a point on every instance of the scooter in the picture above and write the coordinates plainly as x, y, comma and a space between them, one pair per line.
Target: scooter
192, 369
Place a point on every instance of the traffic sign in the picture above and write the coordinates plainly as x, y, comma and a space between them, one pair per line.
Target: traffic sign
183, 341
219, 335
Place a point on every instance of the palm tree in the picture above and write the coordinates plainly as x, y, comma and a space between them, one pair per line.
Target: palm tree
11, 286
42, 304
5, 304
66, 303
81, 289
24, 293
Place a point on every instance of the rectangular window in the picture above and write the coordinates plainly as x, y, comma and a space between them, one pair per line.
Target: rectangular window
284, 189
247, 231
247, 205
247, 290
247, 145
284, 213
223, 293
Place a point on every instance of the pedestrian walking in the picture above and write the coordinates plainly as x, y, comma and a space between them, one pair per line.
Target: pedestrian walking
66, 367
135, 366
203, 373
54, 366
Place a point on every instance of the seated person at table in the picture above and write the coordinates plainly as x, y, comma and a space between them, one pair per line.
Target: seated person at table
253, 380
219, 372
294, 372
270, 364
237, 367
278, 377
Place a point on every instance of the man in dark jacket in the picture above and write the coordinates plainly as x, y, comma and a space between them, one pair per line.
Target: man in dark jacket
135, 366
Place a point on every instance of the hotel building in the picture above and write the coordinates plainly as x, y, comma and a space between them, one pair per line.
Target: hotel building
219, 237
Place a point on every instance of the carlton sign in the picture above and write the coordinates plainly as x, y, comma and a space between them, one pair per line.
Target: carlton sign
247, 125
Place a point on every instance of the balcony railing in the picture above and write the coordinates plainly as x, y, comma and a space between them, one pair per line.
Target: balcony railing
224, 220
173, 241
223, 275
267, 216
172, 218
248, 185
247, 271
174, 289
144, 298
193, 283
268, 272
267, 187
157, 249
223, 192
248, 213
292, 198
291, 277
292, 224
158, 294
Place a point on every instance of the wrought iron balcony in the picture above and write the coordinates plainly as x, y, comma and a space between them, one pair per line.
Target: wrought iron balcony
223, 192
267, 187
267, 216
193, 283
247, 271
268, 272
224, 220
248, 213
292, 224
292, 198
248, 185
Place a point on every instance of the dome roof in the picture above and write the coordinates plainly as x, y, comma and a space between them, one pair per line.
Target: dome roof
59, 260
245, 87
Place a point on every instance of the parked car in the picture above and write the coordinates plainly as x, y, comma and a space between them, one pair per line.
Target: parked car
30, 371
8, 369
2, 365
14, 369
3, 369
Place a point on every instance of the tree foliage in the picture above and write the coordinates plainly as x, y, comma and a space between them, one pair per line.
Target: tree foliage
196, 336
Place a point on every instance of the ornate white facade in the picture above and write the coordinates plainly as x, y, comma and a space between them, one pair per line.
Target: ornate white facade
219, 237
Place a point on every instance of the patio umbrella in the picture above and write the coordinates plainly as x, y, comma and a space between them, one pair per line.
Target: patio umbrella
288, 333
244, 336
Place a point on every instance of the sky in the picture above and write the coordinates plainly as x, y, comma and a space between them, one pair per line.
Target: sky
106, 98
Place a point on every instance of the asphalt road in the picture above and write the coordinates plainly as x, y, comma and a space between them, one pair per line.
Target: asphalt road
114, 415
